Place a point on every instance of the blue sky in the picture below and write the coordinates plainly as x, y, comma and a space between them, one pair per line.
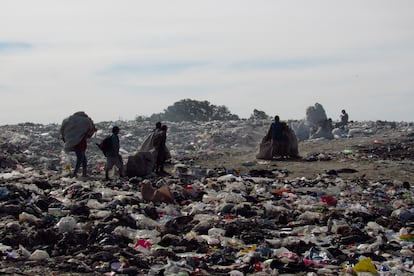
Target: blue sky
119, 59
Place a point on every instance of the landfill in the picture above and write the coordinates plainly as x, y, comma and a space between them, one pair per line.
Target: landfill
207, 216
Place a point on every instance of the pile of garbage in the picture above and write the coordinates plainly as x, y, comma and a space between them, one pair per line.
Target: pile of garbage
197, 221
317, 125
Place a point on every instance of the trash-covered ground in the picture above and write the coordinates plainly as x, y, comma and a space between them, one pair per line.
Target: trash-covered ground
345, 207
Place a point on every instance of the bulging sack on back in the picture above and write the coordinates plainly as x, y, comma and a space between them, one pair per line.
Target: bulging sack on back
105, 145
75, 128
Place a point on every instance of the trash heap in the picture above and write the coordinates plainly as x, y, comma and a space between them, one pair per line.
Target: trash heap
315, 125
221, 222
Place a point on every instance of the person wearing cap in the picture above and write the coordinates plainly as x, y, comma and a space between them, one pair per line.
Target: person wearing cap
113, 158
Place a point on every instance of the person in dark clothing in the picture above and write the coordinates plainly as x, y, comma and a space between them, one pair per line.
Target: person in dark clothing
280, 141
276, 128
113, 158
80, 151
276, 132
344, 118
158, 126
160, 147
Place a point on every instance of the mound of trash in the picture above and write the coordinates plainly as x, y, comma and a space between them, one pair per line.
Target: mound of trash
199, 221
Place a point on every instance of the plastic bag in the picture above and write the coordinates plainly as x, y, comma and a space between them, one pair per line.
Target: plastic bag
365, 265
317, 257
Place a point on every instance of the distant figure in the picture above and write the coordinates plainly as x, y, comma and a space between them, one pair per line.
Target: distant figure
158, 126
113, 158
280, 141
276, 134
160, 149
144, 161
343, 119
75, 131
148, 144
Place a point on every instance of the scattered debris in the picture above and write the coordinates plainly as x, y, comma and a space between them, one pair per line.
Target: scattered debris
203, 221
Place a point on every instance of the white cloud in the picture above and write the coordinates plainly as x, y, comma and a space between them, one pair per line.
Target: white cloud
277, 56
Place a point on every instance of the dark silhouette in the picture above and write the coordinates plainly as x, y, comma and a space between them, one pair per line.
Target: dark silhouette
161, 152
344, 118
113, 158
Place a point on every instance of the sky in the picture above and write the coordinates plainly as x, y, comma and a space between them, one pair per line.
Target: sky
119, 59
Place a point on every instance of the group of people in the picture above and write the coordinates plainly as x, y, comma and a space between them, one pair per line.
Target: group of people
158, 147
280, 141
113, 158
78, 128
